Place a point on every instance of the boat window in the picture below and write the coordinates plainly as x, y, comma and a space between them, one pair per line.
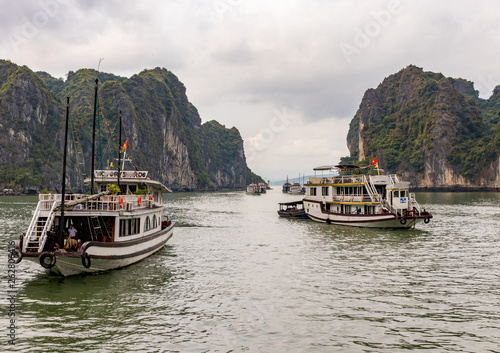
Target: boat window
132, 188
403, 194
147, 226
312, 192
130, 226
155, 222
324, 190
396, 193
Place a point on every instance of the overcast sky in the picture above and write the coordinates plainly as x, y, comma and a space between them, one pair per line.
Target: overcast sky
289, 75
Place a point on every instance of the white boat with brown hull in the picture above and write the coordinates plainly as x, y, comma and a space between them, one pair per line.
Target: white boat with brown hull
118, 226
113, 230
359, 200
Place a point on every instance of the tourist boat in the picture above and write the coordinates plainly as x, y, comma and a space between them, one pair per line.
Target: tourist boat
121, 224
113, 230
296, 189
254, 189
355, 199
294, 209
262, 187
286, 186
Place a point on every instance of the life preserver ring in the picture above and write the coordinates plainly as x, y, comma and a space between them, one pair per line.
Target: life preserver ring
19, 256
139, 201
426, 220
86, 260
49, 255
150, 197
402, 221
120, 200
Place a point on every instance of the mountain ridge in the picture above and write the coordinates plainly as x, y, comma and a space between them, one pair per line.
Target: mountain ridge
433, 130
164, 130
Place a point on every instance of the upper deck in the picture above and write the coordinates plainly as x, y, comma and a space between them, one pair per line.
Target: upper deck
127, 178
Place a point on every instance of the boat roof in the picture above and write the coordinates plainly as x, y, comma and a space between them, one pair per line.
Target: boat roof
337, 166
347, 166
126, 177
291, 203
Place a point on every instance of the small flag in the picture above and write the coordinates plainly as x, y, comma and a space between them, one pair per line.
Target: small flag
124, 147
374, 162
111, 165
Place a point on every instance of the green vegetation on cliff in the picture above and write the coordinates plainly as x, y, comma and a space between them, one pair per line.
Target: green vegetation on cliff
163, 129
416, 122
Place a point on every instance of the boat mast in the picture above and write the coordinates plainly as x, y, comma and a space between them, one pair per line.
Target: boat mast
93, 140
119, 149
63, 191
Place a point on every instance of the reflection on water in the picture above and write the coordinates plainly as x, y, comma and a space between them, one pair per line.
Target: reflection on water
236, 277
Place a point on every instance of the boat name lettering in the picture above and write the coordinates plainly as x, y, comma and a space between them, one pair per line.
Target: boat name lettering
124, 174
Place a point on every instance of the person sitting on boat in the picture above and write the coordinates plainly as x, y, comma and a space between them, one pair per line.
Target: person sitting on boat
71, 242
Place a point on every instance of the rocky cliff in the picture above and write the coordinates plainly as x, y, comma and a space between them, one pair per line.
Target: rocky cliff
433, 130
163, 129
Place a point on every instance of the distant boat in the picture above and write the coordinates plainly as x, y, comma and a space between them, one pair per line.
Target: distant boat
296, 189
293, 209
286, 185
254, 189
262, 187
359, 200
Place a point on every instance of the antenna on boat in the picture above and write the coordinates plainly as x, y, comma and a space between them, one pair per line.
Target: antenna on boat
63, 191
119, 148
93, 140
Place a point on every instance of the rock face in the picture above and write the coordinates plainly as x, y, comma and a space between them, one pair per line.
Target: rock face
163, 130
433, 130
30, 134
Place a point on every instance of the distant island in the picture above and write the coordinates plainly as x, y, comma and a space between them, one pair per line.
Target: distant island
164, 131
433, 130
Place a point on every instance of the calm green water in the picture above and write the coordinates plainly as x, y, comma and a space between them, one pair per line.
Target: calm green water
237, 278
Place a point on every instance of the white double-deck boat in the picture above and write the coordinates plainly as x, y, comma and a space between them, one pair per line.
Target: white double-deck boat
112, 230
296, 189
354, 199
254, 189
79, 233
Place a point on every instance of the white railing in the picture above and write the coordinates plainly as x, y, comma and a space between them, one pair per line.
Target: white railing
29, 233
103, 203
352, 198
33, 234
413, 203
375, 197
48, 224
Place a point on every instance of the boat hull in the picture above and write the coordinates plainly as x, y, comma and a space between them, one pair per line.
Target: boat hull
293, 214
366, 221
377, 220
103, 256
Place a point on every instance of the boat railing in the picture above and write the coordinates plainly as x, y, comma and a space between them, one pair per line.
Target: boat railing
38, 228
343, 179
353, 198
103, 203
374, 195
46, 227
413, 203
389, 207
394, 178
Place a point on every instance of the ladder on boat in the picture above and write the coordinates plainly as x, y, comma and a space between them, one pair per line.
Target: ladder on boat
374, 196
36, 236
95, 228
